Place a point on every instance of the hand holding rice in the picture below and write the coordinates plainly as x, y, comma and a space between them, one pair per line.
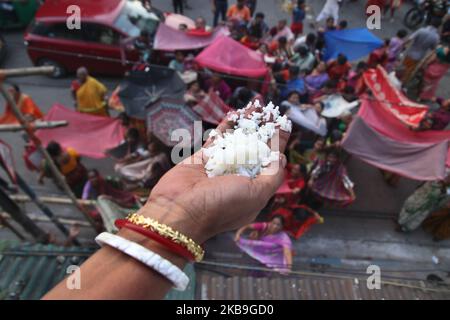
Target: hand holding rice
244, 150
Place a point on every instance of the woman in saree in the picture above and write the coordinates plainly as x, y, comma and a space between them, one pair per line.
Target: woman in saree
97, 186
304, 115
309, 156
428, 198
317, 79
194, 94
146, 172
130, 150
68, 162
435, 69
267, 243
329, 182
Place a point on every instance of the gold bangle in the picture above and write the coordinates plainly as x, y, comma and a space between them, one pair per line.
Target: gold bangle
167, 232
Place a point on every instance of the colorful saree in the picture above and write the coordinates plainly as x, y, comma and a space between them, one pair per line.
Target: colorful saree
433, 74
425, 200
269, 250
330, 184
26, 106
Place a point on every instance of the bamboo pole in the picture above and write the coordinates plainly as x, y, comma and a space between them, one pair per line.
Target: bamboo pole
20, 72
52, 200
5, 223
55, 171
45, 210
4, 216
36, 125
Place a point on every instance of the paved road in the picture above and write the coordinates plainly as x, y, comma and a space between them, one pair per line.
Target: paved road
354, 230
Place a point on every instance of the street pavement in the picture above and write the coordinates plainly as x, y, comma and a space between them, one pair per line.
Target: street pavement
363, 231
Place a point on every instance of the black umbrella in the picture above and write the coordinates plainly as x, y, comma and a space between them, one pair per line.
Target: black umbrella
141, 89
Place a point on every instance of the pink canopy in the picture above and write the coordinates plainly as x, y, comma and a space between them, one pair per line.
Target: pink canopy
378, 137
378, 117
419, 161
89, 135
169, 39
229, 56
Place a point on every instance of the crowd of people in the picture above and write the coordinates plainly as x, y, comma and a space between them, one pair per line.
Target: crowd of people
300, 80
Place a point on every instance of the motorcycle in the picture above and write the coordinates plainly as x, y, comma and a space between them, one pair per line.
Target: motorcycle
424, 11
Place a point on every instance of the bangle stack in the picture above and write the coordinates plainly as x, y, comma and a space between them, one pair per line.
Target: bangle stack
154, 261
171, 239
163, 234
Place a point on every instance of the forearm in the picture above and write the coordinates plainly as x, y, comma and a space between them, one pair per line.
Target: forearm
111, 274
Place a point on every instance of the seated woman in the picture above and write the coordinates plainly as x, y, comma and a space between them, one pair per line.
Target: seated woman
177, 64
298, 218
146, 172
308, 157
356, 79
316, 79
289, 193
427, 199
194, 93
217, 84
267, 243
303, 115
69, 164
131, 150
97, 186
438, 119
329, 181
251, 38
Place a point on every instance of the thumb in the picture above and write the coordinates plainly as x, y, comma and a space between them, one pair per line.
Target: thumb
271, 178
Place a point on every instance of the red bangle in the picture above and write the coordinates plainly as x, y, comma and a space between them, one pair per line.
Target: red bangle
172, 246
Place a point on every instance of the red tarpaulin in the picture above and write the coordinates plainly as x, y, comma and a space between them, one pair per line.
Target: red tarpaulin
229, 56
418, 161
89, 135
396, 102
169, 39
379, 118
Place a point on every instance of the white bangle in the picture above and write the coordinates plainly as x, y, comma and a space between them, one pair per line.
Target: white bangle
147, 257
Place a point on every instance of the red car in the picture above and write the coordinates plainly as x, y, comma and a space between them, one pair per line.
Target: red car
98, 45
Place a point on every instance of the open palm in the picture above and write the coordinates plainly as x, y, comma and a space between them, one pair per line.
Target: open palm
208, 206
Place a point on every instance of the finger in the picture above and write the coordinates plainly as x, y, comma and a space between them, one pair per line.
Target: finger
279, 140
227, 123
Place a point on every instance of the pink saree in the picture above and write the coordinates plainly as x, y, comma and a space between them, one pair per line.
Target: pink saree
432, 76
268, 249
